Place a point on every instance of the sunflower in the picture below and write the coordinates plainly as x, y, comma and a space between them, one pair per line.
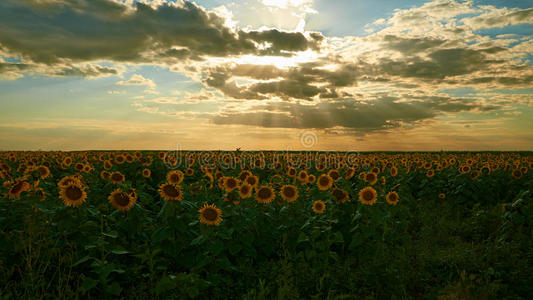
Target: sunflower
368, 195
393, 171
324, 182
44, 171
289, 193
189, 172
67, 180
371, 178
349, 173
334, 174
121, 200
245, 190
291, 172
442, 196
302, 176
39, 192
146, 173
517, 174
175, 176
474, 174
108, 164
17, 189
340, 195
230, 184
430, 173
319, 206
73, 194
117, 177
311, 178
119, 159
67, 161
244, 174
264, 194
210, 215
252, 180
170, 191
392, 198
104, 175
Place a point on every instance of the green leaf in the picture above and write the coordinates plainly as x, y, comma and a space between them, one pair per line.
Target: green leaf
88, 283
82, 260
199, 240
302, 238
161, 234
112, 234
119, 252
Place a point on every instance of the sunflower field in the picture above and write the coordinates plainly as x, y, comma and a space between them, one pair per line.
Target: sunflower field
266, 225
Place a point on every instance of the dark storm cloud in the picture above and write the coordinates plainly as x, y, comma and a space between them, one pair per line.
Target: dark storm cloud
51, 31
363, 117
442, 63
410, 46
302, 82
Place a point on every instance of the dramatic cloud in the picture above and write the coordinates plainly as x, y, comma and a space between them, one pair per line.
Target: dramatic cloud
108, 30
360, 117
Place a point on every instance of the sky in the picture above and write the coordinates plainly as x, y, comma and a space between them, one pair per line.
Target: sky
346, 75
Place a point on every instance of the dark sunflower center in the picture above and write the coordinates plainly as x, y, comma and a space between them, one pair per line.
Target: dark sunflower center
323, 181
318, 206
368, 195
334, 175
393, 197
174, 177
171, 191
73, 193
289, 192
370, 176
245, 189
17, 187
338, 194
116, 177
122, 199
43, 171
303, 175
231, 183
264, 193
210, 214
251, 180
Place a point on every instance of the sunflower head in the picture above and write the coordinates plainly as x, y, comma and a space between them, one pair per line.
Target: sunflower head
175, 176
430, 173
117, 177
340, 195
392, 198
289, 193
334, 174
517, 174
368, 196
311, 178
252, 180
170, 191
245, 190
319, 206
324, 182
122, 200
230, 184
442, 196
302, 176
371, 178
16, 189
210, 215
393, 171
146, 173
189, 172
264, 194
73, 194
